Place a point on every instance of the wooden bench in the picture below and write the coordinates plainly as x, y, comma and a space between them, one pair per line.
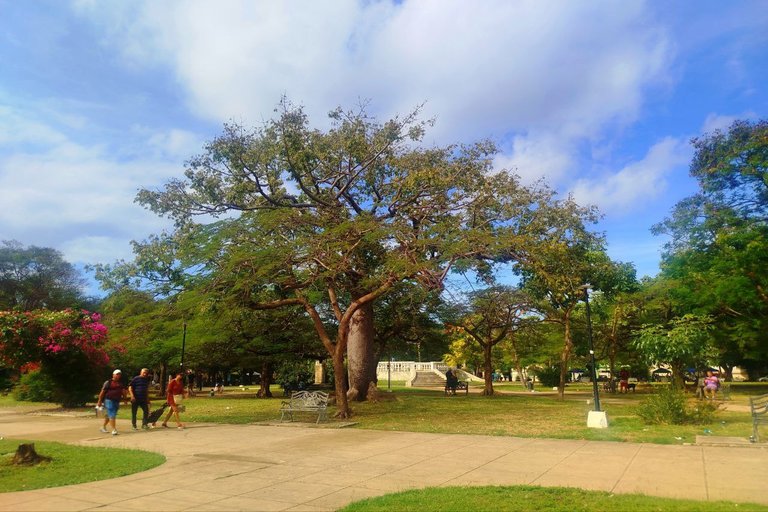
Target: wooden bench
305, 401
461, 385
759, 408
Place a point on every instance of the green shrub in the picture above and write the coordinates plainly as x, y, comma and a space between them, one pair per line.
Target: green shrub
549, 376
295, 374
670, 406
34, 386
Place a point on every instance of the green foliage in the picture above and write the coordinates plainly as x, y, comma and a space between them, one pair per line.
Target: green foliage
37, 277
34, 386
295, 374
671, 406
684, 342
718, 248
549, 376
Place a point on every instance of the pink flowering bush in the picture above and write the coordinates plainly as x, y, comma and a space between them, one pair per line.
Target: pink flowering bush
68, 346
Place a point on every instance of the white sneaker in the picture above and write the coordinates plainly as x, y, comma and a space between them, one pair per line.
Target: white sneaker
114, 432
103, 430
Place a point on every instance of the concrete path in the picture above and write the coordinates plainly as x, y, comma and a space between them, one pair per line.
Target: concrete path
302, 468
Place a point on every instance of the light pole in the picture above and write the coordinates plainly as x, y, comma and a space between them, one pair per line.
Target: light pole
389, 374
596, 418
183, 343
593, 377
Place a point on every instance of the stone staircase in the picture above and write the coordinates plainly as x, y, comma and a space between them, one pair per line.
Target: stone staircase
428, 380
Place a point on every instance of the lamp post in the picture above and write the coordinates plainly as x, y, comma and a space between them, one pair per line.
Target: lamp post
389, 374
183, 343
593, 377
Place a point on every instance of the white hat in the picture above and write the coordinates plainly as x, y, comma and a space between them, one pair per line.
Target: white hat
116, 372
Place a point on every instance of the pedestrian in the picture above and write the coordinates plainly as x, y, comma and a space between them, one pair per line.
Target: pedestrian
111, 393
624, 380
190, 383
174, 394
138, 388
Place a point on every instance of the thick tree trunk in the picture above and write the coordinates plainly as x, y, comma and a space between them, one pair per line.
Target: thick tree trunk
487, 370
678, 375
266, 380
360, 353
27, 456
565, 357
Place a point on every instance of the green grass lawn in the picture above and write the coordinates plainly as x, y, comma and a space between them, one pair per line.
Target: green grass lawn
508, 414
69, 465
525, 498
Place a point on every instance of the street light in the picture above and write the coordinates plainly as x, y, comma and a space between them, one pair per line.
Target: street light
597, 418
183, 343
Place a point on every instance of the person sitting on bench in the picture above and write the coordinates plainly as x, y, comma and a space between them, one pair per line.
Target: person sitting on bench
451, 380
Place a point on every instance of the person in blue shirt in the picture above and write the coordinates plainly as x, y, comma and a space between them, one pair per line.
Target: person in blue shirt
138, 388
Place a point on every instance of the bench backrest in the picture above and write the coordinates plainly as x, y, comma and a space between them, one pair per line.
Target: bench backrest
759, 404
310, 398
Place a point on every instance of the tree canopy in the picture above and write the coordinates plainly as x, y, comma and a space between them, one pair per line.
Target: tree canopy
37, 277
717, 255
330, 221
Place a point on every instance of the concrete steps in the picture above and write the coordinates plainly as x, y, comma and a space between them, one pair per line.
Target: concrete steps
428, 380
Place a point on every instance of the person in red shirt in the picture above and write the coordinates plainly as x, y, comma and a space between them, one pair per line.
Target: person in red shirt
174, 395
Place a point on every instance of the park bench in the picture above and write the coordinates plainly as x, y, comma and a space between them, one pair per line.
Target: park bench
759, 408
461, 385
305, 401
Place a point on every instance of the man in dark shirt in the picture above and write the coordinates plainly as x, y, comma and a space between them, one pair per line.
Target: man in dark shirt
139, 391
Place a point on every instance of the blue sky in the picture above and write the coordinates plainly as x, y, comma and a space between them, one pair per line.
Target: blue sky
600, 98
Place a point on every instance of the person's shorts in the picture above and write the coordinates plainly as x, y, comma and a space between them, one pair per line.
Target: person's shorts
711, 388
112, 407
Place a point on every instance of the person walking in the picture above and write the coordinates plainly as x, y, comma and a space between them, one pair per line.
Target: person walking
111, 393
624, 380
138, 388
174, 395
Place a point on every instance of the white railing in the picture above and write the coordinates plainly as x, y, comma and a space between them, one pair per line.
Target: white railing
406, 370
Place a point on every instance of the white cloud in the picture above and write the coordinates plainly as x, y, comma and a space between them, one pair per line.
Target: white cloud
638, 183
176, 144
722, 122
486, 69
75, 197
96, 249
536, 156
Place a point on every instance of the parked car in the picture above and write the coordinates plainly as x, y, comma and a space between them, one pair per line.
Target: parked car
762, 379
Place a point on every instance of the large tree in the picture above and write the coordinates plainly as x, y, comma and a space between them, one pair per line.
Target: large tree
37, 277
331, 221
563, 272
718, 248
491, 316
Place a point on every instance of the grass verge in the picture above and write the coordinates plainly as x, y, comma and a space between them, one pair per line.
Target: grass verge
70, 465
532, 499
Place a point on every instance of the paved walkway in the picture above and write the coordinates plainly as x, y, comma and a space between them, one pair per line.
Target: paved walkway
302, 468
